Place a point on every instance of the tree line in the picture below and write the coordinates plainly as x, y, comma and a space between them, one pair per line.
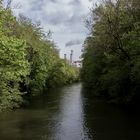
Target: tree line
111, 59
29, 61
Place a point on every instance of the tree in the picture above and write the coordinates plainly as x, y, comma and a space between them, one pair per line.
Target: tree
112, 55
29, 61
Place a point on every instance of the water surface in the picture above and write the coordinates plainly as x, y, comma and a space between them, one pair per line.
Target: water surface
68, 114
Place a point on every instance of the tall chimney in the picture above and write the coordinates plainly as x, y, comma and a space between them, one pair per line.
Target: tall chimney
71, 57
65, 56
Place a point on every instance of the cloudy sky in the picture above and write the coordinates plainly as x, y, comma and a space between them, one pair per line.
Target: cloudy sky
65, 18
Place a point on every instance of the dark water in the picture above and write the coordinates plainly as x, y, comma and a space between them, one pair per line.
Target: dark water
68, 114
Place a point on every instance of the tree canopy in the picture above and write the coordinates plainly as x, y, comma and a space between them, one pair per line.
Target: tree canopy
29, 61
112, 51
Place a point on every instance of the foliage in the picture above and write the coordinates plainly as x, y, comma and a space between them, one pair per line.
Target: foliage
13, 69
61, 74
112, 52
29, 61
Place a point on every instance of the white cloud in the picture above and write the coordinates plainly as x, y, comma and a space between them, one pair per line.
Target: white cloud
65, 18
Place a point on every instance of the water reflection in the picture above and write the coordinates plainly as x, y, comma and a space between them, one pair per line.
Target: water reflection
110, 122
56, 116
69, 113
71, 116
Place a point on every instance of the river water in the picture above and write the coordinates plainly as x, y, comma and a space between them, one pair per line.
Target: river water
69, 114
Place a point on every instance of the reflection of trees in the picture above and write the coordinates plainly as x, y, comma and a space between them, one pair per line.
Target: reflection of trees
107, 122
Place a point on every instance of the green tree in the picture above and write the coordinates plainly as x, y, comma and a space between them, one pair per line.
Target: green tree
29, 61
111, 59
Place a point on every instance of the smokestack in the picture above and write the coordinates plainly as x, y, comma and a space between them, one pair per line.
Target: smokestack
71, 57
65, 56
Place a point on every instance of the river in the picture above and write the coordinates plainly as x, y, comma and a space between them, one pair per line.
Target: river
68, 114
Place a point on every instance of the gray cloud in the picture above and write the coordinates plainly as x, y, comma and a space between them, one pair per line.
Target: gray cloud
74, 42
53, 1
63, 17
75, 2
36, 5
60, 17
56, 18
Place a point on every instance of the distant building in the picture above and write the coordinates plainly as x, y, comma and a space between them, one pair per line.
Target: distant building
77, 63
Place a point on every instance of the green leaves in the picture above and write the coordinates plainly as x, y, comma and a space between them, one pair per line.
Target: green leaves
13, 68
61, 74
29, 62
111, 58
13, 62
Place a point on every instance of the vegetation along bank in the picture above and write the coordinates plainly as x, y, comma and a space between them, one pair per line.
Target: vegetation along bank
111, 59
29, 61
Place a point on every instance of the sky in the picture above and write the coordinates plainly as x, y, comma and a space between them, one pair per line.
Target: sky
65, 19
